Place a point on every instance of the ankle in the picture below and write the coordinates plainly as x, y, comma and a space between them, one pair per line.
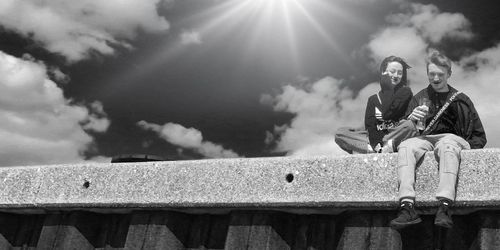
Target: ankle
445, 202
407, 200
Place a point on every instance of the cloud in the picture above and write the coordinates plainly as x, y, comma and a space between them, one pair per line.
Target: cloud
77, 28
96, 120
432, 24
190, 37
477, 76
40, 126
410, 34
323, 106
320, 109
190, 138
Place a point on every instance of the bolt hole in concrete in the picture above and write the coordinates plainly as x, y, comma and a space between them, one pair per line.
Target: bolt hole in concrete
86, 184
289, 177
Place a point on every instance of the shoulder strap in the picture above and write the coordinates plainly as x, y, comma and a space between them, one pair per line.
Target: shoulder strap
440, 112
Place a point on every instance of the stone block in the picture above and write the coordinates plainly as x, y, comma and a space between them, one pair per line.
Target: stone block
318, 183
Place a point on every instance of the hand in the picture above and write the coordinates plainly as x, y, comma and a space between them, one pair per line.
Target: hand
385, 80
419, 113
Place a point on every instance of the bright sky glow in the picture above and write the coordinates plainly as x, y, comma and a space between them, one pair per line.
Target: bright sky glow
271, 29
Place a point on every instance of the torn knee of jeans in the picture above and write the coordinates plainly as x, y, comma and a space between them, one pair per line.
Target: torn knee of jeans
447, 147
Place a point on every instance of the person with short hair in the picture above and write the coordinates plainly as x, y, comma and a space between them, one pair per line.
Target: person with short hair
452, 124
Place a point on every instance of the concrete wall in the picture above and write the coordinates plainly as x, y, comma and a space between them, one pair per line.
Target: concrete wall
261, 203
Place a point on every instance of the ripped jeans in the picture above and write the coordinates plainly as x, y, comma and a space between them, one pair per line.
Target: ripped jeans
446, 147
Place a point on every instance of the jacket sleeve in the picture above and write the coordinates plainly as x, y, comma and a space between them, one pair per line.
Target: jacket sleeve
371, 121
399, 103
476, 136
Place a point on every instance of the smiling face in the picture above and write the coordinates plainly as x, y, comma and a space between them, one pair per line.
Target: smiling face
438, 77
395, 71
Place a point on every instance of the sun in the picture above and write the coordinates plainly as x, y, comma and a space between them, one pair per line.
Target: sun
272, 29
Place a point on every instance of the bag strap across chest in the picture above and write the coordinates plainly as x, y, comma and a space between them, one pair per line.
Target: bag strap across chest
439, 113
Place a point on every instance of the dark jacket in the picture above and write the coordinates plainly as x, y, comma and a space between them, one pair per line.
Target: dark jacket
460, 118
395, 100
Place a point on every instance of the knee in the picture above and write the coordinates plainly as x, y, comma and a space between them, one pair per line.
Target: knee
408, 143
338, 135
447, 146
341, 131
407, 124
411, 148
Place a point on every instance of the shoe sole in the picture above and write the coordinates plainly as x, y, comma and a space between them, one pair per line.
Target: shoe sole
397, 225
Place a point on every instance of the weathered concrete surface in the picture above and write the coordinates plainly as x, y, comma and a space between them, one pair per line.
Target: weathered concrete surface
357, 181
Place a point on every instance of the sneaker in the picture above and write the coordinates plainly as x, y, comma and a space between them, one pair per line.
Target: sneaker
406, 216
443, 215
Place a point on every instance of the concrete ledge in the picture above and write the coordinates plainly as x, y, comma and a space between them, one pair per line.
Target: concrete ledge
347, 182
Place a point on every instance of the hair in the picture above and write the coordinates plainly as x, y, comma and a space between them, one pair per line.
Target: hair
439, 59
389, 59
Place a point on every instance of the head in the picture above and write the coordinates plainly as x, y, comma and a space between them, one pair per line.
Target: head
438, 70
396, 68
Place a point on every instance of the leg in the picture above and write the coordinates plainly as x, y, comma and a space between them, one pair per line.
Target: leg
447, 153
406, 129
352, 140
410, 152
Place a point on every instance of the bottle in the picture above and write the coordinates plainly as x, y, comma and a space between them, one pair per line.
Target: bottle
424, 106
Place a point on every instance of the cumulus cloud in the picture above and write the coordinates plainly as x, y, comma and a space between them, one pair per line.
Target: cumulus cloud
477, 75
410, 34
74, 29
40, 126
190, 37
56, 74
190, 138
432, 24
323, 106
96, 120
320, 109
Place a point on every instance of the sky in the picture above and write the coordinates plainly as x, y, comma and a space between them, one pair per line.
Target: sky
90, 80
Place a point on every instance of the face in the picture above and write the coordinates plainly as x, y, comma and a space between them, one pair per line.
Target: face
438, 77
395, 71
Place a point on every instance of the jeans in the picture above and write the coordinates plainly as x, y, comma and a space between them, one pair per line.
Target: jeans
446, 147
353, 140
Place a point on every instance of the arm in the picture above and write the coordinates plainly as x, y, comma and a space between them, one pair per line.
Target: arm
399, 103
477, 138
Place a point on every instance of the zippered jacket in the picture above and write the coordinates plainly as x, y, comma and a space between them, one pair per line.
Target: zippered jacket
460, 118
383, 114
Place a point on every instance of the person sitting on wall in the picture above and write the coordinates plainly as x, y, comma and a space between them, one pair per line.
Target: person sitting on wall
452, 124
384, 111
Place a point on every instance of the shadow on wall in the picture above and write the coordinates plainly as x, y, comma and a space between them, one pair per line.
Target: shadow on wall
243, 230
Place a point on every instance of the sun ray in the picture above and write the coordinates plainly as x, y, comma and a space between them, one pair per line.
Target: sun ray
335, 48
263, 14
334, 10
225, 13
291, 36
266, 30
